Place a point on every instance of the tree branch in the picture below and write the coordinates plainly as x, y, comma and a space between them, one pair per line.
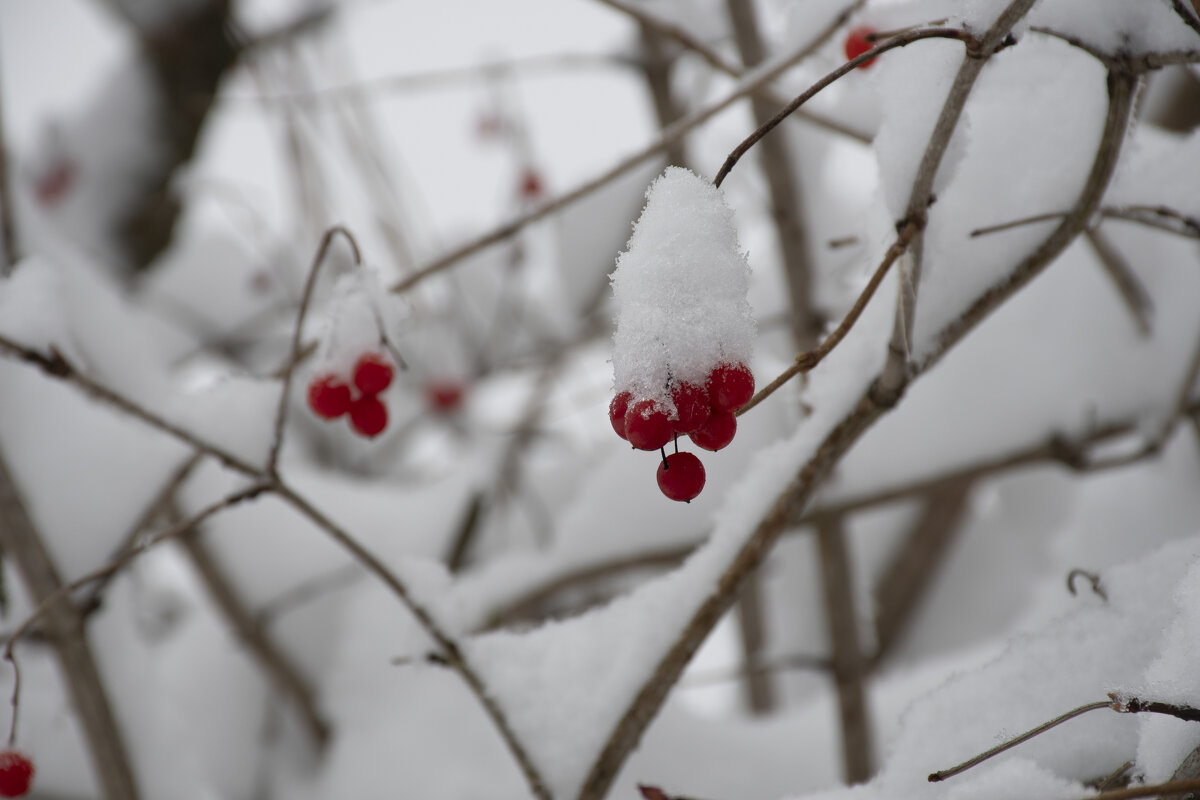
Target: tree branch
849, 666
64, 628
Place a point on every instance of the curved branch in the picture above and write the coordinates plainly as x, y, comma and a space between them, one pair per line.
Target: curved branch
289, 368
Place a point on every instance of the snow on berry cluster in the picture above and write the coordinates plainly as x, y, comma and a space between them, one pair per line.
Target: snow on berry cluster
353, 368
684, 330
16, 773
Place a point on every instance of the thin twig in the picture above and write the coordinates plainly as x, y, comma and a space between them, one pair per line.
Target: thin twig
1187, 16
116, 563
1125, 703
1149, 790
823, 83
432, 79
668, 30
748, 84
763, 666
849, 666
909, 574
306, 591
8, 228
1159, 217
809, 360
943, 774
289, 368
55, 365
1121, 92
1128, 285
277, 667
779, 167
1091, 577
153, 510
446, 644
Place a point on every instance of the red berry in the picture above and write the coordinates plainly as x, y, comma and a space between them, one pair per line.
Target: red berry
54, 185
368, 416
328, 396
730, 386
489, 126
616, 412
681, 476
647, 426
717, 433
372, 373
691, 407
857, 43
16, 773
444, 396
531, 184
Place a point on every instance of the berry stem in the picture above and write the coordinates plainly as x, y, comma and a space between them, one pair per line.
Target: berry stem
290, 367
663, 452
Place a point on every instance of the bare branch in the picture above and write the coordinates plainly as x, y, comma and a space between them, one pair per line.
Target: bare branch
1150, 790
1121, 91
1187, 16
65, 630
55, 365
1128, 285
896, 370
271, 659
448, 646
748, 84
908, 575
849, 666
783, 183
289, 368
942, 775
809, 360
8, 228
668, 30
900, 40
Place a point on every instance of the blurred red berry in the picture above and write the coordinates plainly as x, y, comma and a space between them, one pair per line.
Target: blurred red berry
328, 396
616, 412
647, 426
489, 126
53, 185
691, 407
532, 187
16, 773
717, 432
373, 372
368, 416
444, 396
730, 386
681, 476
857, 43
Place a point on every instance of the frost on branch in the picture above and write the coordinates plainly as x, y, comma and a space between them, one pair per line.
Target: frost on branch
680, 290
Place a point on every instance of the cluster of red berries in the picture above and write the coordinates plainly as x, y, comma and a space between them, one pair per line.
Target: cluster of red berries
705, 413
16, 773
330, 396
858, 41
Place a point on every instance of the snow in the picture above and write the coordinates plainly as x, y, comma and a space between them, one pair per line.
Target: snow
680, 291
997, 644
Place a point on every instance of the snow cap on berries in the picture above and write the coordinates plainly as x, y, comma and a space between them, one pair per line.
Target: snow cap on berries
358, 306
680, 290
